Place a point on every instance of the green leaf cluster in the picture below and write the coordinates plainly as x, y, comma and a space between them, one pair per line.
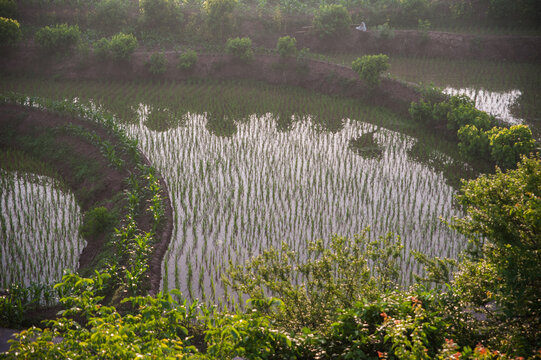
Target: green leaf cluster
10, 31
370, 67
58, 38
240, 48
331, 20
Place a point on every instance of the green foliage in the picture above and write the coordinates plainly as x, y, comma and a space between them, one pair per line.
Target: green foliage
240, 48
286, 46
507, 145
10, 31
122, 46
102, 48
58, 38
384, 31
462, 111
473, 142
162, 15
110, 15
187, 60
220, 20
370, 67
97, 221
504, 217
8, 9
331, 20
329, 278
157, 64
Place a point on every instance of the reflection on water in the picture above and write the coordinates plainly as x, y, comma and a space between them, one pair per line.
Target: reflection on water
39, 229
497, 103
235, 193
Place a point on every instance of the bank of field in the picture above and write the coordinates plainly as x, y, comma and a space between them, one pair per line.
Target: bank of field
249, 166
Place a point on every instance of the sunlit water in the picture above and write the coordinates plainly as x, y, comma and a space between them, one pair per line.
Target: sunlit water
497, 103
39, 227
235, 196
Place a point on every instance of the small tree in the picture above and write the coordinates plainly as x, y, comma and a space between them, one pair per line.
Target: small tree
161, 15
331, 20
157, 64
10, 31
122, 46
187, 60
8, 9
219, 16
507, 145
286, 46
240, 48
58, 37
370, 67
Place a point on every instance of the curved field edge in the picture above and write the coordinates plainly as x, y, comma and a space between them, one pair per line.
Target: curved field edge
104, 169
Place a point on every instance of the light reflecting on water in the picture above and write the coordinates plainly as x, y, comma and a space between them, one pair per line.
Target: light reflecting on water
39, 235
497, 103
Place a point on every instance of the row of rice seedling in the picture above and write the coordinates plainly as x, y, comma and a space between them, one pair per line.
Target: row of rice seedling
250, 166
39, 229
235, 196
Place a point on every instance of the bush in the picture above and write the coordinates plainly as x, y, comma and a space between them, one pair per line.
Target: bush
473, 142
240, 48
122, 46
187, 60
97, 221
370, 67
286, 46
111, 15
102, 48
157, 64
507, 145
10, 31
384, 31
8, 9
58, 37
161, 15
331, 20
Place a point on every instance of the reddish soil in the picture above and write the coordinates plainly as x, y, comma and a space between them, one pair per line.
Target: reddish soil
35, 121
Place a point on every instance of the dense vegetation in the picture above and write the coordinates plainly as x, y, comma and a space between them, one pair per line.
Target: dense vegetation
337, 298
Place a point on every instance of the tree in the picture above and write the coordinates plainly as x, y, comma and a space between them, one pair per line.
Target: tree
370, 67
240, 48
331, 20
58, 37
10, 31
503, 218
507, 145
111, 15
161, 15
286, 46
220, 17
122, 46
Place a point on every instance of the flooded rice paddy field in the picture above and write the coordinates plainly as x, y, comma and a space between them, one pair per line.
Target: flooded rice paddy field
39, 223
250, 166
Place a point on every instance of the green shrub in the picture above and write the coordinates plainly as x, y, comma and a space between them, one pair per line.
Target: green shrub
384, 31
507, 145
462, 112
331, 20
473, 142
286, 46
370, 67
58, 37
97, 221
111, 15
8, 9
220, 20
187, 60
157, 64
122, 46
10, 31
161, 15
240, 48
102, 48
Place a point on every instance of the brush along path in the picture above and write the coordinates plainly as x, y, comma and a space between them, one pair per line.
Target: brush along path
321, 76
102, 185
